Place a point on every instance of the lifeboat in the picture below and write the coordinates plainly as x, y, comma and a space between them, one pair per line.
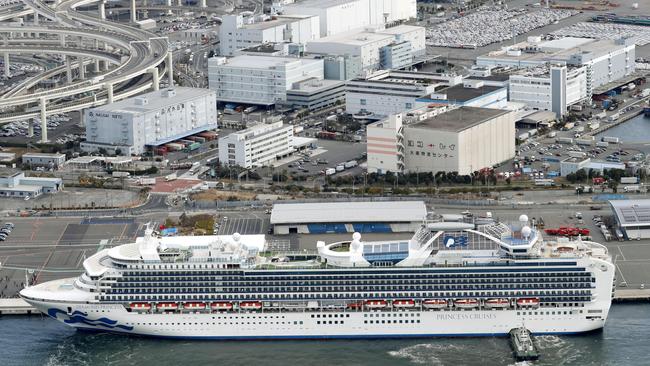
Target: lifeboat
194, 305
565, 249
466, 303
140, 306
497, 303
528, 301
222, 306
167, 306
403, 303
250, 305
376, 304
434, 303
355, 305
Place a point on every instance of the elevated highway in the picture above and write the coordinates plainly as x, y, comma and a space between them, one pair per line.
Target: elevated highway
135, 52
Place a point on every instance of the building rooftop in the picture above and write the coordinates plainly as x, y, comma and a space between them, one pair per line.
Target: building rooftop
319, 4
348, 212
459, 119
313, 85
460, 93
493, 77
9, 172
264, 62
632, 212
556, 50
43, 155
155, 100
401, 29
279, 21
356, 37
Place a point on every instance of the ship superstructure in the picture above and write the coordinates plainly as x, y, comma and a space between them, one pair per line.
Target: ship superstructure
449, 278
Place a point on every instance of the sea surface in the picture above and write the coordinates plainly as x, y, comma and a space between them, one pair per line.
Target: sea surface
636, 130
43, 341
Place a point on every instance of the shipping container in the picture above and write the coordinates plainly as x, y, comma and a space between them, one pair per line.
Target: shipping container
330, 171
610, 139
120, 174
199, 139
577, 154
629, 180
564, 140
147, 181
340, 168
602, 144
171, 177
193, 146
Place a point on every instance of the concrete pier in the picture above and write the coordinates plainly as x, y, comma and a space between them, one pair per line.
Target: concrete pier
16, 306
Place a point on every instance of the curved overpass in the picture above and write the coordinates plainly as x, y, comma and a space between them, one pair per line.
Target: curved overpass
143, 51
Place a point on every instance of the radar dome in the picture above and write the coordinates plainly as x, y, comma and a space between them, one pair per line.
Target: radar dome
526, 231
523, 218
356, 236
236, 237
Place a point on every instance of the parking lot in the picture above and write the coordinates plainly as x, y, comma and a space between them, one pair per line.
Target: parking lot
329, 154
244, 224
54, 248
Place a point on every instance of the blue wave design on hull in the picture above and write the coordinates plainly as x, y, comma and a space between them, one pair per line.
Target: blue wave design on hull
81, 317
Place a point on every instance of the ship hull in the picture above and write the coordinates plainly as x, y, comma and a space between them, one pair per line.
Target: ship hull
325, 324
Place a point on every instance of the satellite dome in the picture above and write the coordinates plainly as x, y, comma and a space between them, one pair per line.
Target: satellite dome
523, 218
356, 236
526, 231
236, 236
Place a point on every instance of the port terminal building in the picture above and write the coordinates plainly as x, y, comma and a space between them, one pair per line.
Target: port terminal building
632, 217
348, 217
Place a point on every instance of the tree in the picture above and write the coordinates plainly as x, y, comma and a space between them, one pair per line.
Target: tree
613, 185
581, 175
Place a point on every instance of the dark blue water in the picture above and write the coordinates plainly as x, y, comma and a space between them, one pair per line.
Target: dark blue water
43, 341
636, 130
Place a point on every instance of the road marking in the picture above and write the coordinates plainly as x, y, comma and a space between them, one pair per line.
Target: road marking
621, 273
123, 231
621, 251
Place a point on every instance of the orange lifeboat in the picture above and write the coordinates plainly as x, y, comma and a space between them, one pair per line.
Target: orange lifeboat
140, 306
355, 305
434, 303
497, 303
403, 303
167, 306
528, 301
221, 306
376, 304
250, 305
466, 303
194, 305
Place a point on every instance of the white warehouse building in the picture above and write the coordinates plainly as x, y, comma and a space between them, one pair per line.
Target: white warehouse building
549, 87
256, 146
389, 92
375, 47
605, 60
463, 140
237, 32
338, 16
132, 125
259, 80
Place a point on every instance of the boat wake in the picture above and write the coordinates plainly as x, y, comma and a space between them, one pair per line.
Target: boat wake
425, 354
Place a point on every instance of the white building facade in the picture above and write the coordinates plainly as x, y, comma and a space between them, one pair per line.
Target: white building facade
553, 89
338, 16
131, 125
256, 146
237, 32
389, 92
459, 139
372, 45
605, 60
259, 80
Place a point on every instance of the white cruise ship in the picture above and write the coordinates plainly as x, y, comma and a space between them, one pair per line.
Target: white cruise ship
449, 279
